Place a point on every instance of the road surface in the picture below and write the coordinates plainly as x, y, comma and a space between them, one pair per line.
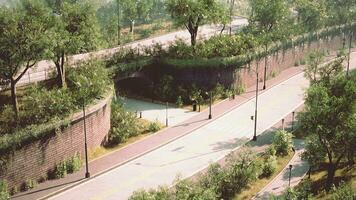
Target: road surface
195, 151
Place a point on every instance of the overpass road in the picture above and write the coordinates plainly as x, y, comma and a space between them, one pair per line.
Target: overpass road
45, 68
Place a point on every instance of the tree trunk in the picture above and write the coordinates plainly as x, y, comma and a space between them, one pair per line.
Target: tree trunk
193, 38
331, 175
14, 98
223, 28
60, 70
132, 26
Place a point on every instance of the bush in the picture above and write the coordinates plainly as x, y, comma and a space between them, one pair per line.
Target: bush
41, 105
61, 170
164, 89
154, 127
283, 142
269, 166
74, 163
123, 124
344, 192
30, 184
7, 120
162, 193
187, 190
179, 102
4, 193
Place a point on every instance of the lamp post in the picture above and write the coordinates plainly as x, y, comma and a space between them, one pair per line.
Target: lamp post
348, 58
290, 174
255, 128
87, 174
210, 102
265, 71
118, 22
166, 113
293, 120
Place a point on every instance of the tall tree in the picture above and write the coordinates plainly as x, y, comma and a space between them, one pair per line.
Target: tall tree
130, 12
193, 13
75, 31
23, 41
268, 17
312, 14
329, 119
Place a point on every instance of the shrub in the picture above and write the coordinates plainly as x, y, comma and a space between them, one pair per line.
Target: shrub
187, 190
218, 91
7, 120
41, 105
145, 33
30, 184
214, 179
179, 102
283, 142
164, 89
240, 89
344, 191
74, 163
154, 127
269, 166
162, 193
4, 193
123, 124
60, 170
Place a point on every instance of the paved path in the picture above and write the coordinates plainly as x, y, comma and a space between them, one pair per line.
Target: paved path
194, 151
281, 182
45, 69
155, 111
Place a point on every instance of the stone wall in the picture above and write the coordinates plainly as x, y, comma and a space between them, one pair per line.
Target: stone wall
34, 161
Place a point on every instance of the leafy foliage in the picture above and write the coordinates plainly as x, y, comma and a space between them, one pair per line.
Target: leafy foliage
329, 120
193, 13
282, 142
344, 191
123, 124
154, 127
4, 193
74, 163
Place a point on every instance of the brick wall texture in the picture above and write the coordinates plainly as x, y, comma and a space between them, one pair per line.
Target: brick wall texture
34, 161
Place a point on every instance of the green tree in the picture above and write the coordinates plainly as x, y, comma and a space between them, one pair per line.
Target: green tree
23, 41
74, 31
329, 119
193, 13
312, 14
130, 13
268, 17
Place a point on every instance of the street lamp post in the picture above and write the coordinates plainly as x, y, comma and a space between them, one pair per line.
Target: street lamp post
87, 174
255, 128
265, 71
290, 174
166, 113
293, 120
348, 59
210, 102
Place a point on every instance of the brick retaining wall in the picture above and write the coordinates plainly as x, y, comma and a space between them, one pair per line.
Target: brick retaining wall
36, 160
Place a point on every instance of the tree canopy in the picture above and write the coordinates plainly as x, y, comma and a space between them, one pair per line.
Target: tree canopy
193, 13
23, 41
329, 119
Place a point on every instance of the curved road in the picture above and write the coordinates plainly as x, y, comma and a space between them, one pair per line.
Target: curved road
195, 151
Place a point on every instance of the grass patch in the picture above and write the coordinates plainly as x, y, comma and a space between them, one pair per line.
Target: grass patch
253, 188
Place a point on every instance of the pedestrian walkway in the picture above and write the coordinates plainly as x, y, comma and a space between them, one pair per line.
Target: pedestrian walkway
158, 112
293, 176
